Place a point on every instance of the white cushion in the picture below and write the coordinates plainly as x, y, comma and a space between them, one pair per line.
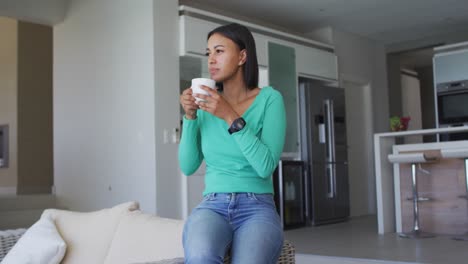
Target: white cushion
88, 235
143, 237
41, 244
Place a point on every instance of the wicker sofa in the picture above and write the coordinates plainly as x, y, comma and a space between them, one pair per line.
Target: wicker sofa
7, 239
287, 254
123, 234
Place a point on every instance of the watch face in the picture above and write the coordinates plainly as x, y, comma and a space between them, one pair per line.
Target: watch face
237, 125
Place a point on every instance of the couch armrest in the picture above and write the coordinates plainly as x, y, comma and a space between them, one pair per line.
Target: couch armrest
88, 235
143, 238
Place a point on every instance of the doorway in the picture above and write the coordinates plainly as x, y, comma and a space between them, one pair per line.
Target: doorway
360, 139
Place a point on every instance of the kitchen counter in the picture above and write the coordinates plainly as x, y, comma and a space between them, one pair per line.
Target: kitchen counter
384, 144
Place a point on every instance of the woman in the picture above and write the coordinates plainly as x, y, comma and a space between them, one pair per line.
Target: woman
239, 131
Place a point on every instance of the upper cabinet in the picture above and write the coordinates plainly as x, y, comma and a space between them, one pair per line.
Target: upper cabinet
193, 33
310, 61
261, 45
451, 66
283, 77
316, 63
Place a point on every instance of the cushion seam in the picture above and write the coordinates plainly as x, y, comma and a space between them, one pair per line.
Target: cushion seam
114, 234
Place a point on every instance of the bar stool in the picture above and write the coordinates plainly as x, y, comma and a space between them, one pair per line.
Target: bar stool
414, 159
459, 153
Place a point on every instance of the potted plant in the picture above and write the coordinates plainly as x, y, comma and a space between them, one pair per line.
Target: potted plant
399, 123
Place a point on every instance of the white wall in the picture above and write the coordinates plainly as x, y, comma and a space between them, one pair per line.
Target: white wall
364, 59
363, 62
360, 167
48, 12
167, 113
104, 105
8, 99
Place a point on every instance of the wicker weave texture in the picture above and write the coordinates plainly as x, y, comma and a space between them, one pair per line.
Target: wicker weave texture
8, 239
287, 254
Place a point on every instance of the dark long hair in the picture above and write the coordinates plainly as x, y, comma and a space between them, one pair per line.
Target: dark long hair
243, 38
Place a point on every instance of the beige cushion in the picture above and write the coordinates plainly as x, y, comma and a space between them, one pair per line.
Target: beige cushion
142, 237
88, 235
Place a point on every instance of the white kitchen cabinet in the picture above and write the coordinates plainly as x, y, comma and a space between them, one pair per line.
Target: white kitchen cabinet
316, 63
261, 45
196, 183
451, 66
193, 33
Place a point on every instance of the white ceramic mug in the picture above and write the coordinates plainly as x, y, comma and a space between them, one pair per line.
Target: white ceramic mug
196, 86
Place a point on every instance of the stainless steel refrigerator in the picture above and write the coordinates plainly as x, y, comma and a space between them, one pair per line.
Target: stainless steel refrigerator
324, 150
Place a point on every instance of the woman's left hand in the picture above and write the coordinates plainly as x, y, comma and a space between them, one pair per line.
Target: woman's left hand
216, 105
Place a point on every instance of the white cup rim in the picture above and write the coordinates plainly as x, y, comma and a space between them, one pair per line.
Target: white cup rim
202, 79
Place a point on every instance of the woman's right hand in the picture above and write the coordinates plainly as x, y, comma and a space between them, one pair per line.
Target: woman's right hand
188, 103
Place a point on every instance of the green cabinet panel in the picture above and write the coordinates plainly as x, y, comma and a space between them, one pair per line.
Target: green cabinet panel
282, 76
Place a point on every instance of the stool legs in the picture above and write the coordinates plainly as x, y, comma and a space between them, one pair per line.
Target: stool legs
464, 237
416, 232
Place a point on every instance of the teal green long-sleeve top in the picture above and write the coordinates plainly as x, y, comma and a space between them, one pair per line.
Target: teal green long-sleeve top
243, 161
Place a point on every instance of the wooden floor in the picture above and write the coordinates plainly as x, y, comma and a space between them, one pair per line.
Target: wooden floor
358, 238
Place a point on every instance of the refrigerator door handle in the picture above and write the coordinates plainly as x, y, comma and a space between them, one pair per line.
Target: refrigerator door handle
332, 143
306, 193
331, 125
331, 180
330, 128
321, 135
334, 180
281, 191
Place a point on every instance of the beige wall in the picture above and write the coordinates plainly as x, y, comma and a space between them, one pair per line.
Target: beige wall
8, 98
26, 106
35, 171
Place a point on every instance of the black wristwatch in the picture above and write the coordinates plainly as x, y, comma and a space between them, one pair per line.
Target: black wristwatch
237, 125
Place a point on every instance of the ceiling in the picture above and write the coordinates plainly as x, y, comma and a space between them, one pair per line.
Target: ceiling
386, 21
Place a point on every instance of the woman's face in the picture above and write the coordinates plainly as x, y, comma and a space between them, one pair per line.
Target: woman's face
224, 58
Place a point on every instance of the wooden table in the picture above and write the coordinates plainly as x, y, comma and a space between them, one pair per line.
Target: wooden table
384, 172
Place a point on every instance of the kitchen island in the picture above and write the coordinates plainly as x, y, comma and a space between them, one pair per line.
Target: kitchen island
387, 183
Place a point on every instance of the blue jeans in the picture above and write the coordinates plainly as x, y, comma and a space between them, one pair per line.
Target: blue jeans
245, 223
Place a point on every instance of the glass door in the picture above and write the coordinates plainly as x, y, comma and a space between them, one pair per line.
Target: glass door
282, 76
289, 193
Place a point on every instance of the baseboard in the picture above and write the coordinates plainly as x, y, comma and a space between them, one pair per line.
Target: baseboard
7, 191
27, 202
35, 189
